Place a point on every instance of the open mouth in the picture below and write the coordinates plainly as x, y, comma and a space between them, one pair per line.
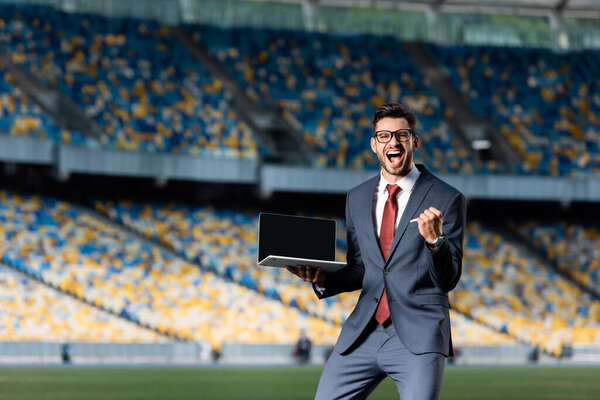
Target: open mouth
394, 156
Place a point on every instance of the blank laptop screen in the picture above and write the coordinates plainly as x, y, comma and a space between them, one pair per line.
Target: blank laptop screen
292, 236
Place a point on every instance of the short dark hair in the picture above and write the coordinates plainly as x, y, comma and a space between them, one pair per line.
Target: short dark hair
395, 110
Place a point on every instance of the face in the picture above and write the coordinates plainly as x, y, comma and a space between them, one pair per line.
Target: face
396, 158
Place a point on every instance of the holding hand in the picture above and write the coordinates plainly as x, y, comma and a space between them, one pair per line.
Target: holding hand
430, 224
308, 274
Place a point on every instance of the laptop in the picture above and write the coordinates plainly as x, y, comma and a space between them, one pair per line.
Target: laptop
291, 240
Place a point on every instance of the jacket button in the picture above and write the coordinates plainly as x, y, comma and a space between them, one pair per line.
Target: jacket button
386, 271
375, 300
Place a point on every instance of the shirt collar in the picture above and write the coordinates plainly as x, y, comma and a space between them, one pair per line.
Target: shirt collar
406, 184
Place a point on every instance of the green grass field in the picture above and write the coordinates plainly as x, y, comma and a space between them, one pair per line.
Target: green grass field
281, 383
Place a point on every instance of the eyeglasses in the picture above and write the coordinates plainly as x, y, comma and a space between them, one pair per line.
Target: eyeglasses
402, 135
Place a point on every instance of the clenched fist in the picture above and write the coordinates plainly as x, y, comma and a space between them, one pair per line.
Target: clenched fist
430, 224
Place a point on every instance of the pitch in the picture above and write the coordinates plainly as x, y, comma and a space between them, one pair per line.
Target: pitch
281, 383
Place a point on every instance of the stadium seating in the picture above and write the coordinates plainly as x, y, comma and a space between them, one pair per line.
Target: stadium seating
511, 290
466, 331
502, 286
328, 86
102, 264
19, 116
133, 77
575, 248
544, 102
121, 71
85, 257
32, 311
224, 240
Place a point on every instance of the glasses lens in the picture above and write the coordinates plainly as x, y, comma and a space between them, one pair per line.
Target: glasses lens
384, 136
402, 136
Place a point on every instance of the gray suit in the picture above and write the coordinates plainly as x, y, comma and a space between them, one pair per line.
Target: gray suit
417, 280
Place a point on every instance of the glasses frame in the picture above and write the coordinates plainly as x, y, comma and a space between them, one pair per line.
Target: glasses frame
394, 134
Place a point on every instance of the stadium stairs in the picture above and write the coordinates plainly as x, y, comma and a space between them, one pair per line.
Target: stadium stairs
126, 251
36, 311
90, 303
132, 230
282, 140
512, 233
58, 106
462, 120
279, 136
519, 289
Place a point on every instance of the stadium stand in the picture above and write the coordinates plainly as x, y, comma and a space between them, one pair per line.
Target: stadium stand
224, 240
31, 311
328, 86
574, 247
80, 256
467, 331
20, 116
122, 72
545, 102
507, 288
92, 280
502, 287
88, 258
325, 85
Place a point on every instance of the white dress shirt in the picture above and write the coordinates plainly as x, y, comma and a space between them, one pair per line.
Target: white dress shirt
381, 195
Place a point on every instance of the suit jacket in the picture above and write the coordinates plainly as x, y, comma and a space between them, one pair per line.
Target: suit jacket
417, 280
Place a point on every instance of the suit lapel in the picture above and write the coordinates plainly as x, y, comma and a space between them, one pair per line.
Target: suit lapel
422, 187
367, 218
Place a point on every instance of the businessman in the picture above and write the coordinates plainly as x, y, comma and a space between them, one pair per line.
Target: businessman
405, 235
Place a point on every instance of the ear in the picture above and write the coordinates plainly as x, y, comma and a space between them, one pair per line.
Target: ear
373, 145
416, 142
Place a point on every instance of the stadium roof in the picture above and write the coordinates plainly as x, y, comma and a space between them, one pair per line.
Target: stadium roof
571, 8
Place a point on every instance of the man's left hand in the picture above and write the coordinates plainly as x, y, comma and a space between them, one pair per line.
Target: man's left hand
430, 224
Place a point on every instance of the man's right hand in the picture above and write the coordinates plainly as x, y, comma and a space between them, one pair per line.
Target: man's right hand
308, 274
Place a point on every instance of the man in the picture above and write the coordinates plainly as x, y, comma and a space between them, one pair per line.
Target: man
303, 347
405, 234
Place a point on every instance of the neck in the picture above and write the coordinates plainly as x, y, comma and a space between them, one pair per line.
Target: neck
391, 178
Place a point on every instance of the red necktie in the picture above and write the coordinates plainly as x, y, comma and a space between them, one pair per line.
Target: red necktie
386, 237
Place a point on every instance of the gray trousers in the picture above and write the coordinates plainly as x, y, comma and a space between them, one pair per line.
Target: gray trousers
377, 354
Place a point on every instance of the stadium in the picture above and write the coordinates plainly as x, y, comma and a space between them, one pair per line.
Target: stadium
140, 141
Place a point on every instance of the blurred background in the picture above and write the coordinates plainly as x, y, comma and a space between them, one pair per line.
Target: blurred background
139, 140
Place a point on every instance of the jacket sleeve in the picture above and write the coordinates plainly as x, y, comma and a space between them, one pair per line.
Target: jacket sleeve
350, 277
446, 266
